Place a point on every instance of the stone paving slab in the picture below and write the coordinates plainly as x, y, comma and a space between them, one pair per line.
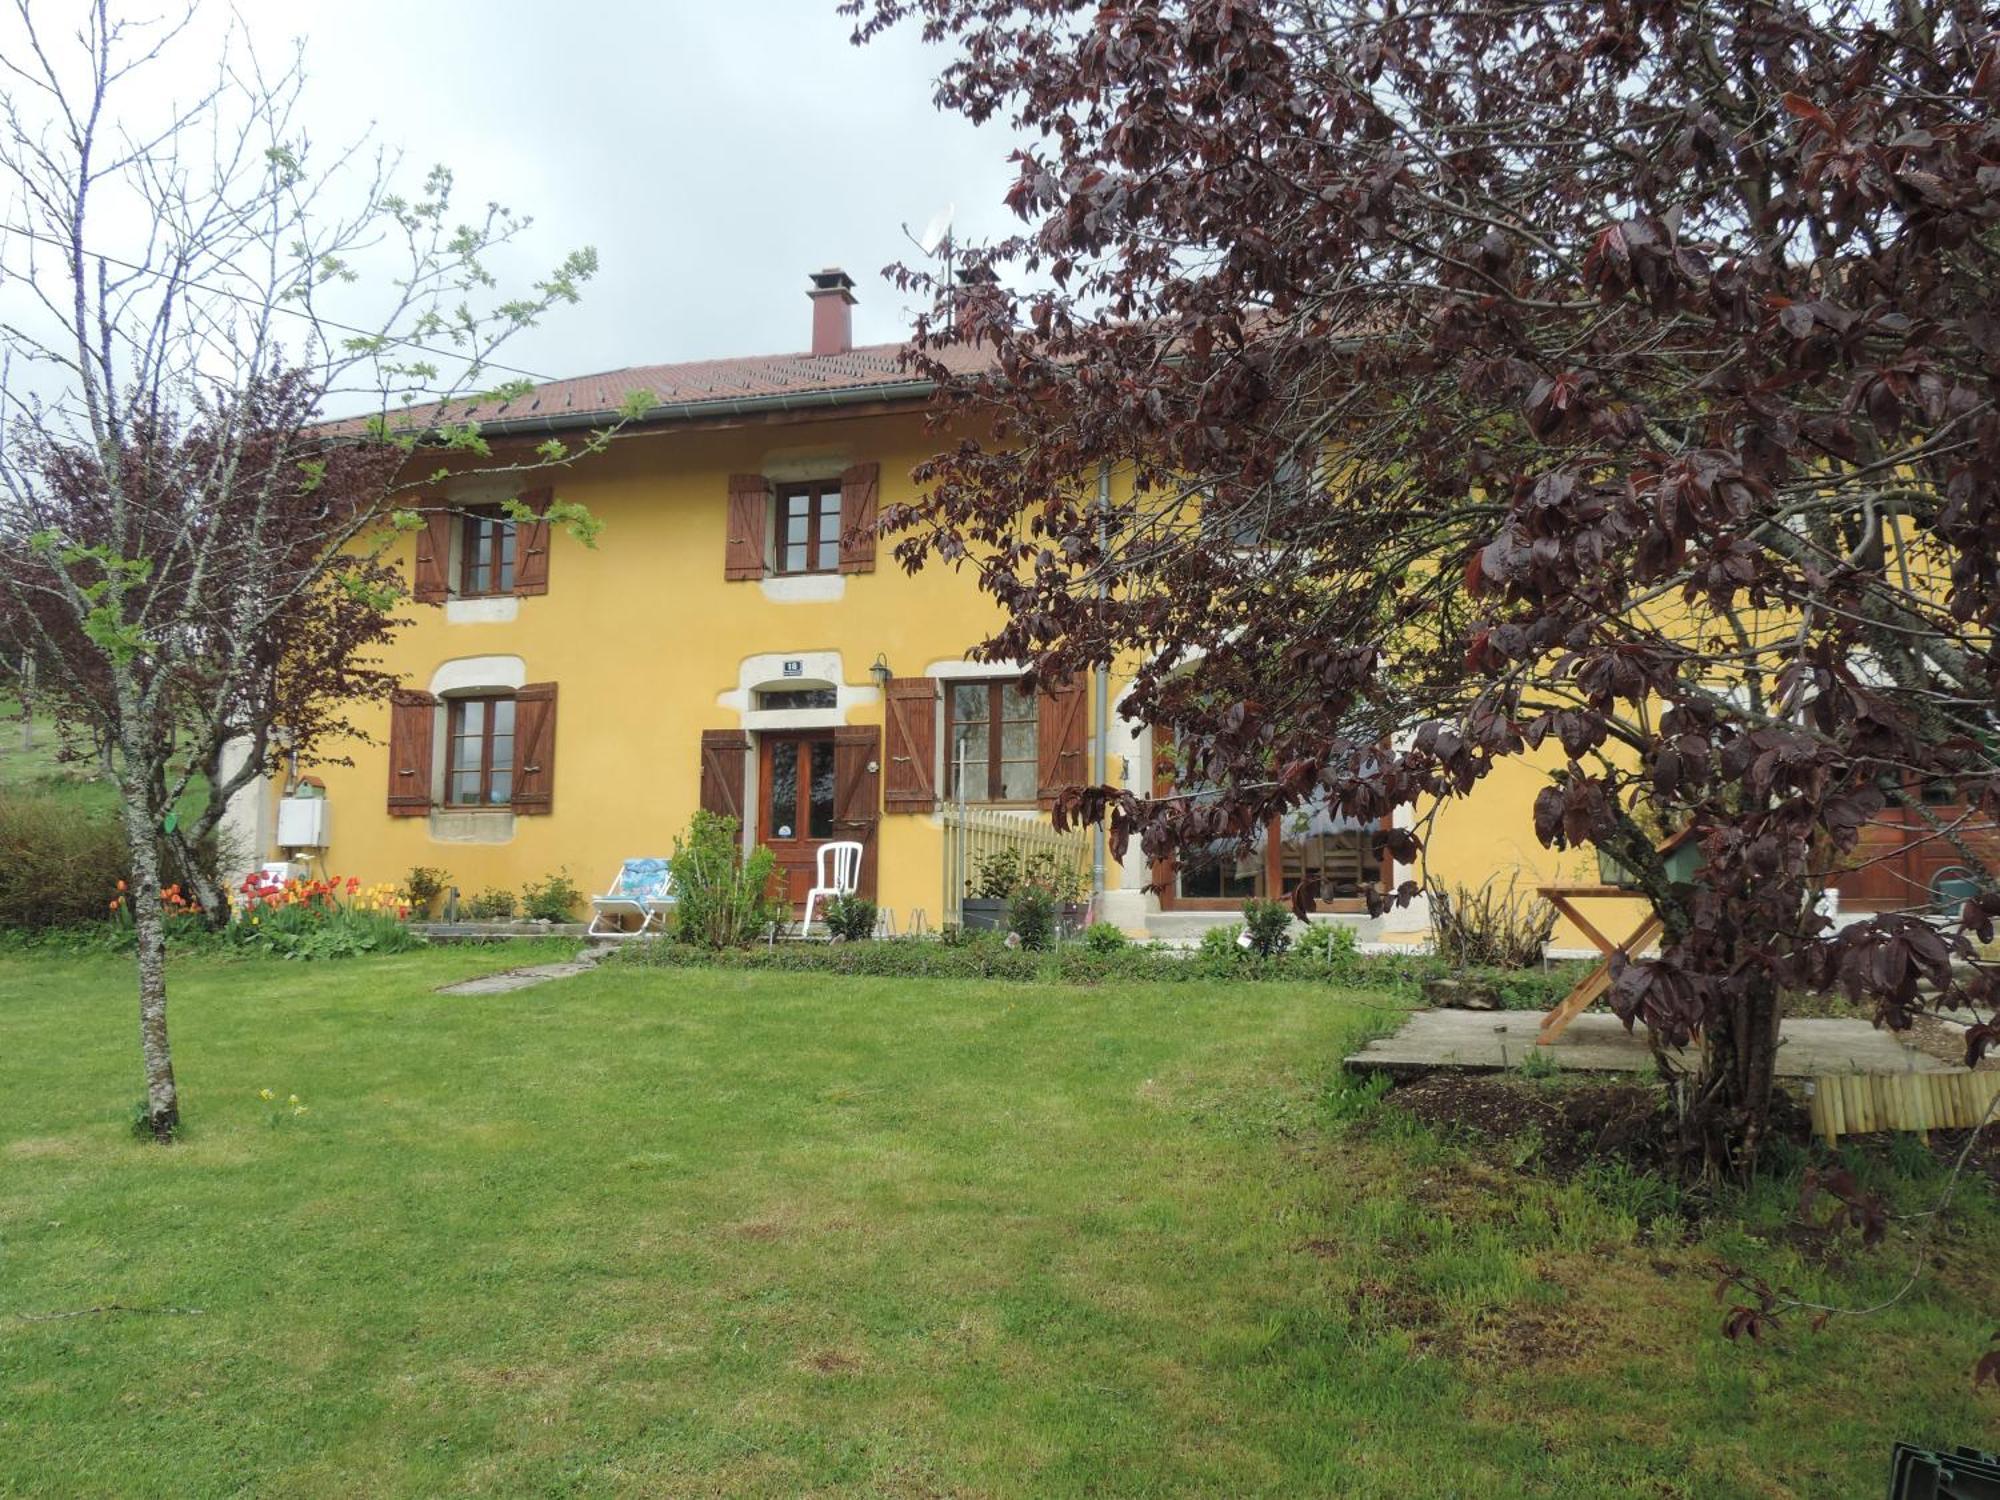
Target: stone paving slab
509, 980
1597, 1042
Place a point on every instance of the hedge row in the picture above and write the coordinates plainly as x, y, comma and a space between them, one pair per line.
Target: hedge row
60, 864
921, 958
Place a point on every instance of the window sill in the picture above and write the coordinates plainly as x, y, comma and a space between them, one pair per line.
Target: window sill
481, 609
803, 588
472, 825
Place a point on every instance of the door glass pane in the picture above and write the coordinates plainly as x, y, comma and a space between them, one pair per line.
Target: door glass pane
505, 581
784, 804
819, 823
472, 718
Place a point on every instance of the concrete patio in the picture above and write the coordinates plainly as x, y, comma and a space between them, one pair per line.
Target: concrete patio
1597, 1042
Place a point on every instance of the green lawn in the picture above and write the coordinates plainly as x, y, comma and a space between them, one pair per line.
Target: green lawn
687, 1232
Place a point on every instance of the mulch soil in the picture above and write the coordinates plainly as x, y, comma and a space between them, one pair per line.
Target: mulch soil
1577, 1122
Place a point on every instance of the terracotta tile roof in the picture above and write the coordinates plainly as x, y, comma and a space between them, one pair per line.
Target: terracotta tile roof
715, 385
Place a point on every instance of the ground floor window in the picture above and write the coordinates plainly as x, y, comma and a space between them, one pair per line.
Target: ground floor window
1335, 857
991, 730
479, 771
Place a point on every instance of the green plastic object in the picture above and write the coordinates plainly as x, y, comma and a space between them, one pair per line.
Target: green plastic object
1930, 1474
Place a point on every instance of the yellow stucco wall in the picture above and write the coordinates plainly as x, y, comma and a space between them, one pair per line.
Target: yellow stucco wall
642, 636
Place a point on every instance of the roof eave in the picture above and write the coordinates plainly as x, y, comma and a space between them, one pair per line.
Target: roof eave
708, 407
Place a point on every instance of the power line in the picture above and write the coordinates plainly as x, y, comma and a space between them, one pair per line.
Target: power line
313, 318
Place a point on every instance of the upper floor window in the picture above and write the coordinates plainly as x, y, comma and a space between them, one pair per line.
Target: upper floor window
486, 553
808, 527
991, 730
479, 768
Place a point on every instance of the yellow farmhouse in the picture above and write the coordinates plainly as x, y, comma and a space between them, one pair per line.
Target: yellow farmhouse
732, 644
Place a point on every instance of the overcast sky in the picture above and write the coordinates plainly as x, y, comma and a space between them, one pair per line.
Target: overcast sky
714, 153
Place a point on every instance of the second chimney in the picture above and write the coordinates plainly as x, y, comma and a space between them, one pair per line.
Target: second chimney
833, 311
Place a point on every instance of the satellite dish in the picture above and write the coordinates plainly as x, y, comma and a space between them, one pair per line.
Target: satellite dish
937, 231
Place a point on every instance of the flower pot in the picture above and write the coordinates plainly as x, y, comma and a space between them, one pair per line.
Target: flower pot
982, 914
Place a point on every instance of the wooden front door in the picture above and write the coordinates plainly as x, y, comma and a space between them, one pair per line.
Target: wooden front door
796, 790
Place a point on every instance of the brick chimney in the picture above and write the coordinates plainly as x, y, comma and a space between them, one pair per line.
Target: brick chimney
833, 311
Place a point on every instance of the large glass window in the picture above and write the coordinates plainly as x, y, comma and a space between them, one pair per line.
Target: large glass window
991, 731
486, 553
480, 746
809, 527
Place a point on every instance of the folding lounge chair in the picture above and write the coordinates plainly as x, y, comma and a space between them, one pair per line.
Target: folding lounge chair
644, 889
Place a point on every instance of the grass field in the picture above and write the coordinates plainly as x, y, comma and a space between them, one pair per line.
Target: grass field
687, 1232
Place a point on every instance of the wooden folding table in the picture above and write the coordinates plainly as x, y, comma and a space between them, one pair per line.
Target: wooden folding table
1598, 980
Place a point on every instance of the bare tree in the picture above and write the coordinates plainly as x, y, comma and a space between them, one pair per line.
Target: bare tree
194, 554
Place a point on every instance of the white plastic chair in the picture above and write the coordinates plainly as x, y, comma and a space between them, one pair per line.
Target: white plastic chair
644, 889
839, 874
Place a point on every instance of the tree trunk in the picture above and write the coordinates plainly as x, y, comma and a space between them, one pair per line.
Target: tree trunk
1730, 1111
142, 838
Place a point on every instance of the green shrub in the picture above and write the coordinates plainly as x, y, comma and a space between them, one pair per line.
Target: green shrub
985, 955
58, 868
491, 905
1031, 915
60, 864
1219, 943
553, 898
722, 894
1104, 937
1330, 943
1269, 924
851, 918
995, 876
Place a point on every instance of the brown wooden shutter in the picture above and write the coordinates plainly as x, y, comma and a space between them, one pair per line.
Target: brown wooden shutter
909, 776
749, 519
411, 716
722, 772
859, 487
1059, 740
531, 546
857, 781
432, 584
535, 747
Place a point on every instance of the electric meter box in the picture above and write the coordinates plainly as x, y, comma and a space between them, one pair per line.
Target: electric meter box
302, 823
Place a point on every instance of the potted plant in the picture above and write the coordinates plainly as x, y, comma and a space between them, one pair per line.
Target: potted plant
1047, 901
1004, 876
984, 908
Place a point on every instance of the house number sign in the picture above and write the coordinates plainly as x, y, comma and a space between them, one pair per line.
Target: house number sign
795, 669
